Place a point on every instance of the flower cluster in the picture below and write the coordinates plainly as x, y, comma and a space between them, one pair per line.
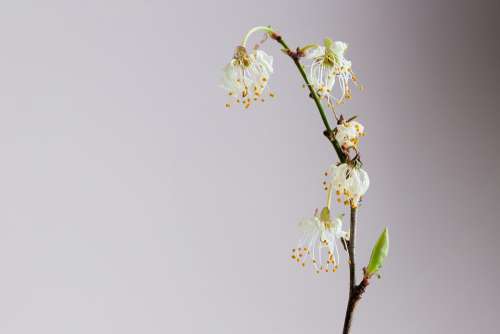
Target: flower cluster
246, 79
246, 76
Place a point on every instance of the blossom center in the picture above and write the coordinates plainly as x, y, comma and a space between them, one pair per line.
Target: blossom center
241, 56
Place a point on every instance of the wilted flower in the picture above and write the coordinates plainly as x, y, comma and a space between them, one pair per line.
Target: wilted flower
246, 76
348, 134
348, 181
328, 67
318, 243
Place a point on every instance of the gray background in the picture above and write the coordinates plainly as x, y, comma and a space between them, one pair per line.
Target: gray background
132, 201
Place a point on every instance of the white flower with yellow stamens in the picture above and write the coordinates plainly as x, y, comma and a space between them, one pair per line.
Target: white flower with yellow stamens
348, 181
246, 76
328, 67
348, 134
318, 244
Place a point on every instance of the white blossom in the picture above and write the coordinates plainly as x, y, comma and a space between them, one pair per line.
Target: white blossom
318, 244
348, 134
247, 75
330, 67
348, 181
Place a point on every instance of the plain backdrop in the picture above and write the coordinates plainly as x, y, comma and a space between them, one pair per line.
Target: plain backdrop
132, 201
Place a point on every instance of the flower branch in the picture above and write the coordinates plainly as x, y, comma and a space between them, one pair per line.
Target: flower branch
246, 80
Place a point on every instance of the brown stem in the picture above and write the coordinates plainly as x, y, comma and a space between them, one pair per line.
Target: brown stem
354, 297
352, 250
355, 291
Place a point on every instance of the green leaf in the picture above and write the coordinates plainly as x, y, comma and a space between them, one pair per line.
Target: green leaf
379, 252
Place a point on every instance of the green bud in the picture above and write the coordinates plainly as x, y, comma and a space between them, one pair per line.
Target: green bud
379, 252
328, 43
325, 215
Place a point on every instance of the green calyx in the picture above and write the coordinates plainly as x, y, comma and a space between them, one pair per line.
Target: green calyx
330, 57
328, 43
325, 215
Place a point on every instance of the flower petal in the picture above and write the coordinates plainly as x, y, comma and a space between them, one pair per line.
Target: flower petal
339, 48
315, 52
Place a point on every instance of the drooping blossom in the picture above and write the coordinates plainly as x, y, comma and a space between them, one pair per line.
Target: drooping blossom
349, 182
246, 76
319, 242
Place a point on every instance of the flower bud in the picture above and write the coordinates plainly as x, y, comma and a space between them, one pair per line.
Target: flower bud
379, 252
